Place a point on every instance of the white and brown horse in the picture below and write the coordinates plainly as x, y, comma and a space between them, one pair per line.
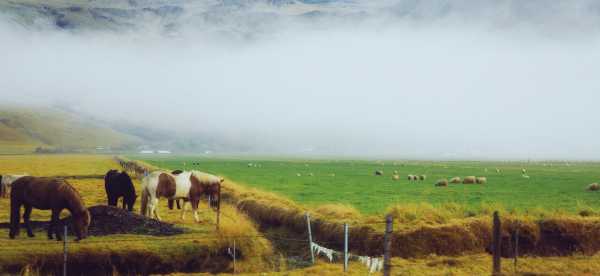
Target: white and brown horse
6, 182
186, 185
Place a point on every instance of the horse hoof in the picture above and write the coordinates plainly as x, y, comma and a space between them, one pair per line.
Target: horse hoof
31, 235
12, 237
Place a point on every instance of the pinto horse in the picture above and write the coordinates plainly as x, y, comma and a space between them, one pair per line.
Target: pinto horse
186, 185
118, 184
6, 181
47, 194
172, 201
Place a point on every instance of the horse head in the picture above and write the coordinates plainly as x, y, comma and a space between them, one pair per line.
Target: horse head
214, 191
81, 223
130, 197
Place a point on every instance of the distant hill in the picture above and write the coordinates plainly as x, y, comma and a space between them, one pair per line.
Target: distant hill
24, 130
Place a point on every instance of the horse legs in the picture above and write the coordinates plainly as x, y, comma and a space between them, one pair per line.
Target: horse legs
195, 202
183, 209
54, 225
15, 218
178, 206
171, 201
26, 217
154, 208
124, 204
112, 201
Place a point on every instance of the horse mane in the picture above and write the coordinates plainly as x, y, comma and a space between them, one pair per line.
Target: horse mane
73, 198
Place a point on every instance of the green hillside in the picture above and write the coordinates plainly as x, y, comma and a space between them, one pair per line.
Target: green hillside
22, 130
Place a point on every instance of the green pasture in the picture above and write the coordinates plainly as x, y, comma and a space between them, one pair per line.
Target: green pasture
551, 186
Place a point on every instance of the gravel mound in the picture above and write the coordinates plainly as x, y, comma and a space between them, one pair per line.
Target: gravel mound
109, 220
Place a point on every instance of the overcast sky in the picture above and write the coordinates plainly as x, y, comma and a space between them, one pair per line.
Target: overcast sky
461, 87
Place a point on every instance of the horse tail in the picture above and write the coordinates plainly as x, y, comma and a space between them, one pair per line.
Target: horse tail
144, 203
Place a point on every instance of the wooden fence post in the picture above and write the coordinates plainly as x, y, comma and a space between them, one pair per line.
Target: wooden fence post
345, 247
310, 241
496, 244
218, 207
387, 246
516, 245
65, 252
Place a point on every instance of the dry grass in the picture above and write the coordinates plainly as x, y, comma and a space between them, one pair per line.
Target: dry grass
481, 264
339, 211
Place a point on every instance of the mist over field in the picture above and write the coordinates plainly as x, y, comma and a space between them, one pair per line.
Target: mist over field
379, 79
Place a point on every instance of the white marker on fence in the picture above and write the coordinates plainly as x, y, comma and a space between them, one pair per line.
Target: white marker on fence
310, 241
65, 252
345, 247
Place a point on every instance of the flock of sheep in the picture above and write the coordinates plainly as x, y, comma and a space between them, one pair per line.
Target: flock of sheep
442, 182
467, 180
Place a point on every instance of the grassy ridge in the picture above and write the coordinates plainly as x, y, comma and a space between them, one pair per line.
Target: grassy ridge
24, 129
552, 186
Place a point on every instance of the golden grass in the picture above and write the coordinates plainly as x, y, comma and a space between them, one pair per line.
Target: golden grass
56, 165
339, 211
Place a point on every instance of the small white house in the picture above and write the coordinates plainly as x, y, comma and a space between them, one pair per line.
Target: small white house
163, 152
146, 151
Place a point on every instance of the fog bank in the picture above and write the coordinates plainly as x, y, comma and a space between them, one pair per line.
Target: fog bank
431, 86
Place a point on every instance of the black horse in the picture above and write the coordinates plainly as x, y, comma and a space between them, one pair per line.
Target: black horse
171, 201
119, 184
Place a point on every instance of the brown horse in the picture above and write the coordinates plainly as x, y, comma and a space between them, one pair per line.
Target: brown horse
47, 194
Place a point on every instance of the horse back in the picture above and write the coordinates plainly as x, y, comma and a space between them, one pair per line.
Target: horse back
166, 186
40, 192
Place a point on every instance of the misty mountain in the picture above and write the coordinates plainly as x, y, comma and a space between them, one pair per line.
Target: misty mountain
252, 17
23, 129
61, 129
433, 79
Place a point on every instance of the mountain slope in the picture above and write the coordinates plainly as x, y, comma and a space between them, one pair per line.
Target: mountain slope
24, 129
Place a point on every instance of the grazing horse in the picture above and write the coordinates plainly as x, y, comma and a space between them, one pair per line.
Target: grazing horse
6, 181
186, 185
47, 194
118, 184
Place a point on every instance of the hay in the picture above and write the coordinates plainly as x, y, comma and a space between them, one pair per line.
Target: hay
442, 183
395, 177
339, 211
593, 187
455, 180
470, 180
481, 180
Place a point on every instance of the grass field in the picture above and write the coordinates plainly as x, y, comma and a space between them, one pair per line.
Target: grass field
200, 239
551, 186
